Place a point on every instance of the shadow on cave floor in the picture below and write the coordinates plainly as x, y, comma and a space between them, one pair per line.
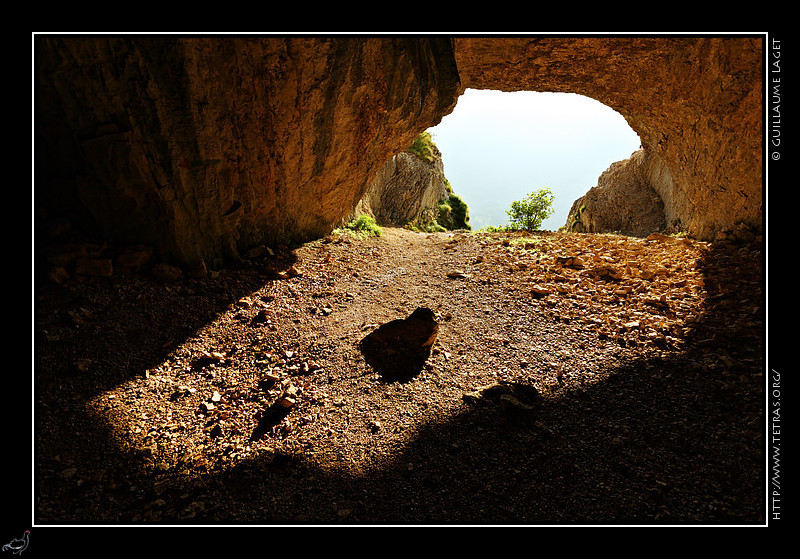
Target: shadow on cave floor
601, 456
659, 440
100, 332
399, 349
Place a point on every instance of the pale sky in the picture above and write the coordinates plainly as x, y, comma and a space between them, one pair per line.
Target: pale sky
497, 147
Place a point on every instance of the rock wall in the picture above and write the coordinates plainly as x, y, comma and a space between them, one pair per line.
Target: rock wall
203, 147
407, 189
627, 199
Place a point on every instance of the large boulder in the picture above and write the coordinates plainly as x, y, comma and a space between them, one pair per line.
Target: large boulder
624, 200
407, 189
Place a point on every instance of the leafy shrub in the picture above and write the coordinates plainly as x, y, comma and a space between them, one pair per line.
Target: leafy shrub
365, 225
528, 213
426, 228
454, 213
496, 229
460, 212
422, 146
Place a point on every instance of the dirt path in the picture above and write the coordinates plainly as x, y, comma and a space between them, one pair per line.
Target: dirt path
632, 370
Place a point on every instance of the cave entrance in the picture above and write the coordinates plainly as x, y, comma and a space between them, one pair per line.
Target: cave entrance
499, 146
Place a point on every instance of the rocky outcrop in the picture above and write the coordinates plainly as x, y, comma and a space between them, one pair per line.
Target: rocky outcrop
626, 199
406, 190
205, 147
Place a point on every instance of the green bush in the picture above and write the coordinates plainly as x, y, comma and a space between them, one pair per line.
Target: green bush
528, 213
422, 146
365, 224
426, 227
460, 212
496, 229
454, 213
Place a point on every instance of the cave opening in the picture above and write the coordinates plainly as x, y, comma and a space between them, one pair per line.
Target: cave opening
499, 146
241, 395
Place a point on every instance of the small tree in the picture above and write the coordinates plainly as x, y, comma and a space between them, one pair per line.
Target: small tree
529, 212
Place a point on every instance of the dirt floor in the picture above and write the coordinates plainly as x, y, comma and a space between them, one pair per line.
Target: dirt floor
574, 379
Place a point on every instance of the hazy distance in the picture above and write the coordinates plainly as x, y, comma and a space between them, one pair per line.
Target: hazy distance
497, 147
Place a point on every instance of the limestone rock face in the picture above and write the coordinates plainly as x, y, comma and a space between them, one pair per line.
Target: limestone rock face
407, 189
205, 147
625, 200
695, 102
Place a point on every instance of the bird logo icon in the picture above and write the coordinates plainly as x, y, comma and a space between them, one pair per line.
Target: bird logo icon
18, 545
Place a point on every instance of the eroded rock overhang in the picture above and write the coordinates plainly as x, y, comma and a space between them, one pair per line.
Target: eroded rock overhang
203, 147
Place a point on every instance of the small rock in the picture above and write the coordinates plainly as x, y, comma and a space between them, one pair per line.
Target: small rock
268, 381
69, 472
262, 317
198, 271
182, 391
540, 291
206, 360
292, 272
58, 274
256, 252
100, 267
206, 407
244, 303
659, 237
165, 272
400, 347
510, 403
510, 395
83, 365
287, 402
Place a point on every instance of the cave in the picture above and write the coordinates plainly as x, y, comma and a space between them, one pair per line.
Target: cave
204, 147
572, 379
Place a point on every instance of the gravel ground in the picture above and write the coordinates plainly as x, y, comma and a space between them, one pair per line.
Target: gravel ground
626, 373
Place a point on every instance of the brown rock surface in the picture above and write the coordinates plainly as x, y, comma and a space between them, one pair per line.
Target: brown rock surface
695, 102
624, 201
407, 189
206, 147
